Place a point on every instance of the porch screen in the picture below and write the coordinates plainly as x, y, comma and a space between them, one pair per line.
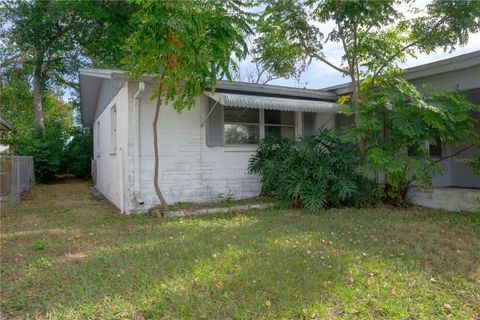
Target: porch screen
308, 123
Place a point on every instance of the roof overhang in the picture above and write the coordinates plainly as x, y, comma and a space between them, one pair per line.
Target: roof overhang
274, 103
442, 68
234, 93
90, 85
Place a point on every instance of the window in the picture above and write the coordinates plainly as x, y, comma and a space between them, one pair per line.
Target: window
435, 149
245, 126
113, 129
308, 123
97, 145
280, 123
241, 126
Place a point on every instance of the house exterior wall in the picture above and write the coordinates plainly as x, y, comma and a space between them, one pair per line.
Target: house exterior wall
457, 172
188, 169
462, 79
110, 164
325, 121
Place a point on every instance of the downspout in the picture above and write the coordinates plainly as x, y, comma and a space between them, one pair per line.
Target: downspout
136, 142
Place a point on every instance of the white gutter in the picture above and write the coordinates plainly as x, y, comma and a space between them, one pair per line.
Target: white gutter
136, 141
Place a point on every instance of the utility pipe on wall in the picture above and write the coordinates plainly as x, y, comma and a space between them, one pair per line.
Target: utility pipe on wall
136, 141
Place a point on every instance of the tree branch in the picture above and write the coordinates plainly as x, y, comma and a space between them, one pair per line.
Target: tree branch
455, 154
344, 71
396, 54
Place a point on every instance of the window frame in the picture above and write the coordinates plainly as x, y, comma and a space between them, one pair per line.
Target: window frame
113, 129
261, 126
294, 125
240, 145
97, 144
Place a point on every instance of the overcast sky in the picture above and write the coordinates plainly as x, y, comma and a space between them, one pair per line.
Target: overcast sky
319, 75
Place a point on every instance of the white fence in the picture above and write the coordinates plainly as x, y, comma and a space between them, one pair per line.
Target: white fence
16, 178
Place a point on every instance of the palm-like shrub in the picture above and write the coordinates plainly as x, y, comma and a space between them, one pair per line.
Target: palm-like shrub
314, 172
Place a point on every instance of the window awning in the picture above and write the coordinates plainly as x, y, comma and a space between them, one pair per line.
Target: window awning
274, 103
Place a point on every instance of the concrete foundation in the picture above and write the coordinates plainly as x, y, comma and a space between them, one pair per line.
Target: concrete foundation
451, 199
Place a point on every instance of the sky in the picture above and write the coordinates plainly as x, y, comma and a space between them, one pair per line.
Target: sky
319, 75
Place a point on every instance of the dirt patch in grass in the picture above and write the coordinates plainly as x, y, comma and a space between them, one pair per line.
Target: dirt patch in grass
65, 256
192, 206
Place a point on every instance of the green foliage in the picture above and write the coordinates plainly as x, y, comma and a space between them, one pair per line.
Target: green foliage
78, 154
191, 44
315, 172
286, 41
26, 139
375, 37
47, 152
40, 245
58, 37
226, 199
396, 121
475, 164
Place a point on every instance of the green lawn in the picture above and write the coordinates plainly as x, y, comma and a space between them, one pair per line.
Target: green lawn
65, 256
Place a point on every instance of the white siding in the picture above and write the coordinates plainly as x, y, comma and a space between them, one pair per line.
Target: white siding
325, 121
189, 170
110, 168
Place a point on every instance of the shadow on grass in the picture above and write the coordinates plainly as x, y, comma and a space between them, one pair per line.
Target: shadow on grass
247, 265
265, 264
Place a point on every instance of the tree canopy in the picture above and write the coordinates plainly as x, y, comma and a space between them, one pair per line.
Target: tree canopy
185, 47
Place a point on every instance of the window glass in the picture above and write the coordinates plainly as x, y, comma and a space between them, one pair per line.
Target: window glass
279, 117
435, 149
241, 126
241, 133
286, 132
239, 115
280, 123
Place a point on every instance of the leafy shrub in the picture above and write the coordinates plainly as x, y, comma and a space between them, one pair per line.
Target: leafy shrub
475, 164
26, 139
314, 172
78, 154
395, 120
47, 152
226, 199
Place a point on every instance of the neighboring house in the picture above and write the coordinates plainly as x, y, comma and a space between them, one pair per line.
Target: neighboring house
458, 187
205, 151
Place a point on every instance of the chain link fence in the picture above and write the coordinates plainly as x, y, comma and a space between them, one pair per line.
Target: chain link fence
16, 178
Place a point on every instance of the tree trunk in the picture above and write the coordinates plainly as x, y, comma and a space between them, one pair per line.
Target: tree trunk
155, 144
37, 97
356, 103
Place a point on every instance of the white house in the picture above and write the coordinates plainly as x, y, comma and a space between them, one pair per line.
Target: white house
203, 151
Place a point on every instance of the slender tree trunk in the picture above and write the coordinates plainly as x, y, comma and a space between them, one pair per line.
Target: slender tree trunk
155, 144
37, 97
356, 105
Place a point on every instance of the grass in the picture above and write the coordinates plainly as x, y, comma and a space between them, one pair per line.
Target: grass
65, 256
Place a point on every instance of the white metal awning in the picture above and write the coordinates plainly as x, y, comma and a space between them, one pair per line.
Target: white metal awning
273, 103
